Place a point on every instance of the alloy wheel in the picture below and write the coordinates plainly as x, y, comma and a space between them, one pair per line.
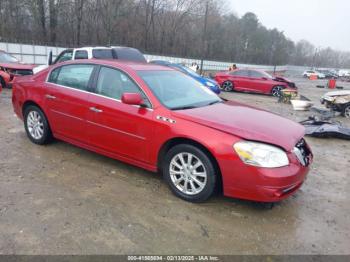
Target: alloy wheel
347, 112
35, 125
227, 86
188, 173
276, 91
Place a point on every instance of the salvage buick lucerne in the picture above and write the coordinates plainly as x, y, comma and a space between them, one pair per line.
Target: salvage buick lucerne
162, 120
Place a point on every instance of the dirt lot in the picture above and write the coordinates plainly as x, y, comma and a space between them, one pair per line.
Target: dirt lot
59, 199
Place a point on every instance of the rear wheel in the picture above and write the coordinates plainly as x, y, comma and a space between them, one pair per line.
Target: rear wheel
36, 125
277, 91
346, 111
227, 86
189, 173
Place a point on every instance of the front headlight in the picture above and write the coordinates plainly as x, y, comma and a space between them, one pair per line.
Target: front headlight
209, 84
261, 155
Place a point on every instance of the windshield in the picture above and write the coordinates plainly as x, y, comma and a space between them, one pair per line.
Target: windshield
176, 90
267, 75
6, 58
130, 54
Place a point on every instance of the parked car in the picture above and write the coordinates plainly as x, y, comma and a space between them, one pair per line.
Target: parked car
210, 83
309, 73
338, 101
10, 67
158, 118
249, 80
99, 52
344, 73
328, 74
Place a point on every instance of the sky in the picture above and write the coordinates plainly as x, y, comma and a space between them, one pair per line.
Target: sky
324, 23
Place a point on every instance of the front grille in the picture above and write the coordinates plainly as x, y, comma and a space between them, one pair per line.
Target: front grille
302, 152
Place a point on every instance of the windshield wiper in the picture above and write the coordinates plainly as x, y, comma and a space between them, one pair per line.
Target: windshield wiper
183, 107
215, 102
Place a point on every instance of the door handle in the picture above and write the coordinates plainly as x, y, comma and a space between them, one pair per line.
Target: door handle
96, 110
50, 97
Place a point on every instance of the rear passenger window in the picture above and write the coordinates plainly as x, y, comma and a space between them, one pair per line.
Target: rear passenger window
75, 76
81, 54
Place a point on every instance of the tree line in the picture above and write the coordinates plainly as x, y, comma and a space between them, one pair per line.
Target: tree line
164, 27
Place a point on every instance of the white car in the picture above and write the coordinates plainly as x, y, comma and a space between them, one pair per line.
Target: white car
338, 101
309, 73
344, 73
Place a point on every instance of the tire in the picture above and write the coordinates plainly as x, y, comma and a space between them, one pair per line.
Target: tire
2, 82
180, 175
36, 125
227, 86
346, 110
276, 91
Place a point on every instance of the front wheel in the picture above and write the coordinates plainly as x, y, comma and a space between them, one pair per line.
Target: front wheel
189, 173
346, 111
227, 86
37, 126
277, 91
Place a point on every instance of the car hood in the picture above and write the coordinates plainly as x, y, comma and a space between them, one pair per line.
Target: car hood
209, 80
281, 79
17, 66
338, 93
246, 122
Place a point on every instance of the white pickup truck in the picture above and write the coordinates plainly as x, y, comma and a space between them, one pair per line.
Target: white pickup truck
98, 52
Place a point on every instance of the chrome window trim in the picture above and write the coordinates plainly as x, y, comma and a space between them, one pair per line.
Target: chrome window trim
118, 100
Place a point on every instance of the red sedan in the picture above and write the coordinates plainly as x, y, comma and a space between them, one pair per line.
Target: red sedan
160, 119
10, 67
256, 81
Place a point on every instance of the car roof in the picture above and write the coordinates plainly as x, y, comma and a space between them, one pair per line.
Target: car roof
161, 62
92, 48
137, 66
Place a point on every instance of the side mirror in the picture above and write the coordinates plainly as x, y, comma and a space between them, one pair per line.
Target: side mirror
132, 99
49, 59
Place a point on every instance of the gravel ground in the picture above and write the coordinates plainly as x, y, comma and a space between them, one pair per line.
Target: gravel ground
60, 199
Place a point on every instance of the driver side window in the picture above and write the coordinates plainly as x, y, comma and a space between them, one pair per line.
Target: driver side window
244, 73
255, 74
113, 83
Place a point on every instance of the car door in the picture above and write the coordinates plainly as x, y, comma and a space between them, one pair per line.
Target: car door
115, 127
65, 55
240, 79
67, 100
259, 82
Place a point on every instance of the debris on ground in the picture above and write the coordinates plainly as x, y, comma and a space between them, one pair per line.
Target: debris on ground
324, 113
325, 129
301, 105
287, 95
